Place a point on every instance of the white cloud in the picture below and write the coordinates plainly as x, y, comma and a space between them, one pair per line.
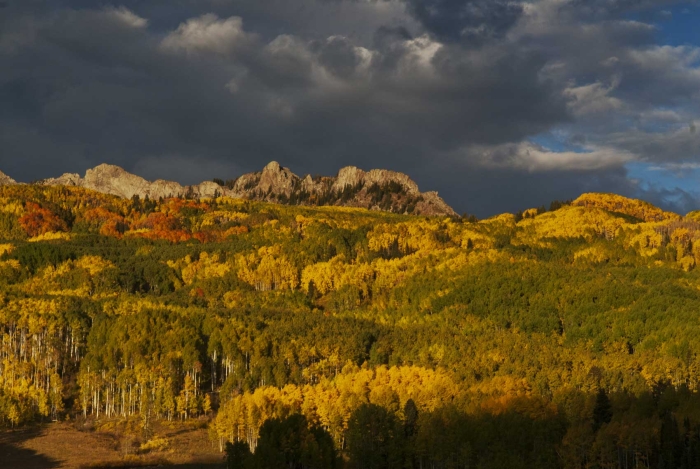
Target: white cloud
675, 167
127, 17
593, 98
208, 33
677, 145
660, 116
422, 51
534, 158
287, 46
664, 57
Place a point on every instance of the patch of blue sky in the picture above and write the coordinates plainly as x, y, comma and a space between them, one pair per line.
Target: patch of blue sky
685, 176
677, 24
558, 141
682, 27
675, 185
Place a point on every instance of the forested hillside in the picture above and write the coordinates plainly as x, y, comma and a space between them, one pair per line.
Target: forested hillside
565, 337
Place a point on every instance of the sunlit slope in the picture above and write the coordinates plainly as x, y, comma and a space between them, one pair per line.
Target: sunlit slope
272, 303
639, 209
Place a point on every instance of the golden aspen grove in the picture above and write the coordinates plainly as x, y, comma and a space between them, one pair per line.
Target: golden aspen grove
330, 337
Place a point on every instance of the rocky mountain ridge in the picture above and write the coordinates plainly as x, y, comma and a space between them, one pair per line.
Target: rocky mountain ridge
6, 180
377, 189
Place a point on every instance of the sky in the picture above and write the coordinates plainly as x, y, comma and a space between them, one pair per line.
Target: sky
499, 105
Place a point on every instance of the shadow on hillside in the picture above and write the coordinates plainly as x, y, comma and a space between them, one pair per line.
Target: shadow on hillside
12, 455
168, 466
199, 466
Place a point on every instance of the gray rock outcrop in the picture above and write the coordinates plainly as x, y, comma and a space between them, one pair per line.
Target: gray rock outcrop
6, 180
377, 189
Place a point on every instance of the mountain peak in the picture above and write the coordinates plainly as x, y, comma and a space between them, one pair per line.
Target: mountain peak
115, 180
272, 166
104, 167
348, 176
6, 180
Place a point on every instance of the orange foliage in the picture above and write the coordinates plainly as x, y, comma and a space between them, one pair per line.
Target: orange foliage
159, 221
175, 205
100, 215
206, 236
114, 228
164, 226
174, 236
37, 220
111, 224
211, 236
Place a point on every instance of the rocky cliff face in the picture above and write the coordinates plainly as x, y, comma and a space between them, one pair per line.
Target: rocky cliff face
6, 180
114, 180
377, 189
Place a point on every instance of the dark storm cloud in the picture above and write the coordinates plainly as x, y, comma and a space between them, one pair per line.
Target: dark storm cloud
386, 35
100, 93
675, 199
119, 90
498, 190
449, 92
308, 18
491, 191
665, 147
468, 21
338, 56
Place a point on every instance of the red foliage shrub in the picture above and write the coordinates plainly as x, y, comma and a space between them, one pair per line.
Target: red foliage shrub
37, 220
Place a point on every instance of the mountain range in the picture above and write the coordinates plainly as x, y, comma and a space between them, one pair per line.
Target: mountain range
377, 189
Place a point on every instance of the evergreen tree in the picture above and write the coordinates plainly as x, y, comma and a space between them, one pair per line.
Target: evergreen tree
238, 455
602, 412
290, 444
374, 439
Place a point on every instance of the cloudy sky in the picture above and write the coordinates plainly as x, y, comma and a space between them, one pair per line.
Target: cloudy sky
499, 105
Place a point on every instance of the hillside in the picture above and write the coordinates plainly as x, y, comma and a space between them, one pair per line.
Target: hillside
377, 189
558, 339
643, 211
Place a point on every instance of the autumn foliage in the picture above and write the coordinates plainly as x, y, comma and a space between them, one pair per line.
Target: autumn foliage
37, 220
565, 338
